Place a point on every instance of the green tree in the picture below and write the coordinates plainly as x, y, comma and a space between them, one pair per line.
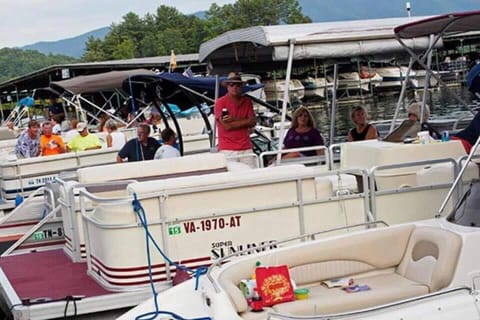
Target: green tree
248, 13
15, 62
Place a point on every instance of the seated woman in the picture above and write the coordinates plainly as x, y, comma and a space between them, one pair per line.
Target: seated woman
414, 110
363, 130
302, 133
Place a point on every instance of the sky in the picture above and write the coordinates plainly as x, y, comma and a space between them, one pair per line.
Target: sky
24, 22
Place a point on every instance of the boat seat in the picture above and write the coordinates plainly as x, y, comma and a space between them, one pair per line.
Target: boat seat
414, 261
155, 169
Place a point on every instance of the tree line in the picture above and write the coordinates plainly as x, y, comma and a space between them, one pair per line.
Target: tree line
156, 34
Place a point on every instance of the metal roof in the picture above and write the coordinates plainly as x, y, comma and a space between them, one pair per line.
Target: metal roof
42, 78
326, 40
449, 23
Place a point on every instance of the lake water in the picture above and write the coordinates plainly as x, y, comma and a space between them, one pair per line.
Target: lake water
382, 107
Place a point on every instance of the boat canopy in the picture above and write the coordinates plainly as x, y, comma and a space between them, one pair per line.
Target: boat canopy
177, 89
447, 23
107, 81
328, 41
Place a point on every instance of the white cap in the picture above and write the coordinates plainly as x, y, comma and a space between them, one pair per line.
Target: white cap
81, 126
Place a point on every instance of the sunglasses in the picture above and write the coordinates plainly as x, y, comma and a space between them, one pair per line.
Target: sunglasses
234, 84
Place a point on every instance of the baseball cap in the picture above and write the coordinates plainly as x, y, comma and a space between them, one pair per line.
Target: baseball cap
81, 126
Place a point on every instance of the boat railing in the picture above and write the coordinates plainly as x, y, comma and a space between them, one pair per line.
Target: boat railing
69, 206
48, 203
164, 219
32, 173
48, 218
375, 192
363, 312
303, 237
309, 160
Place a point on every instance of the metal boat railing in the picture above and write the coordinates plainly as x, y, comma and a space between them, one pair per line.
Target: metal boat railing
161, 219
349, 315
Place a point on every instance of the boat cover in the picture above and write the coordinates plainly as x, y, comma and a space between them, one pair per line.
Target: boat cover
326, 40
452, 22
107, 81
170, 86
473, 79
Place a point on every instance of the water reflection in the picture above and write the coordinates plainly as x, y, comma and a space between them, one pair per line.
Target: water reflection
382, 107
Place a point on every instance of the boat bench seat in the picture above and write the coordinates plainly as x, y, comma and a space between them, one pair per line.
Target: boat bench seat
155, 169
396, 263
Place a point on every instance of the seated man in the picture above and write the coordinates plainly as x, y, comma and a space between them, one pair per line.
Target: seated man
167, 150
141, 148
50, 143
28, 143
84, 140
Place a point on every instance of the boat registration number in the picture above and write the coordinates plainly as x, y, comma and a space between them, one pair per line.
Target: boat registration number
203, 225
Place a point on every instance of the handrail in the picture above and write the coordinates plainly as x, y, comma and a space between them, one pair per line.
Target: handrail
221, 261
279, 316
459, 176
30, 232
284, 151
374, 170
28, 200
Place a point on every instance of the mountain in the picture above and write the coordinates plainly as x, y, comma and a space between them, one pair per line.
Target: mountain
317, 10
73, 47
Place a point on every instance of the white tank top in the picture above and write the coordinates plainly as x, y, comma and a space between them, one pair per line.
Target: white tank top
118, 139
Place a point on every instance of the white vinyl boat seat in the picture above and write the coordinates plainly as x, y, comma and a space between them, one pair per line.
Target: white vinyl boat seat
198, 164
407, 261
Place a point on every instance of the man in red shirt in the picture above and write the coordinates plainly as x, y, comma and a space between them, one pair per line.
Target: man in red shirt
235, 118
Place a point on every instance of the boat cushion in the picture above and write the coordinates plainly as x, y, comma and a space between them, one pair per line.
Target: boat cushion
155, 169
384, 288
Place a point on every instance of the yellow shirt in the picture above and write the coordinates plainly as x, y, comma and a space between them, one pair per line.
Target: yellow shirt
79, 143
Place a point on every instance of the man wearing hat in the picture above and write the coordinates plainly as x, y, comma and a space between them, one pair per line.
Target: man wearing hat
83, 140
235, 118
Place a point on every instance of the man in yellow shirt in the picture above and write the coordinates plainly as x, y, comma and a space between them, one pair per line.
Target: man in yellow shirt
49, 143
84, 140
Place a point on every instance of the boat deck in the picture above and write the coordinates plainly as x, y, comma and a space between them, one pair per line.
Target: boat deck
48, 275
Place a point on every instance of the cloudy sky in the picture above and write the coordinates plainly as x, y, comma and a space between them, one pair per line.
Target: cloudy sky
25, 22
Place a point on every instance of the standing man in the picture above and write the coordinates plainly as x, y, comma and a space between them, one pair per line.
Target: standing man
235, 118
50, 143
84, 140
142, 148
28, 143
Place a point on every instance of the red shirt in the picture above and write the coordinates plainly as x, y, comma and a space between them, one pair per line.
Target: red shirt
238, 139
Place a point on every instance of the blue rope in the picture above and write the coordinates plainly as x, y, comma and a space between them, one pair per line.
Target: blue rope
137, 207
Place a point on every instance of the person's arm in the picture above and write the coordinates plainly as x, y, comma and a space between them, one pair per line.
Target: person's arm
231, 123
372, 133
350, 137
93, 148
319, 142
109, 140
119, 159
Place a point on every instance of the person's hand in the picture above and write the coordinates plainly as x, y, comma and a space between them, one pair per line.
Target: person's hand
228, 118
